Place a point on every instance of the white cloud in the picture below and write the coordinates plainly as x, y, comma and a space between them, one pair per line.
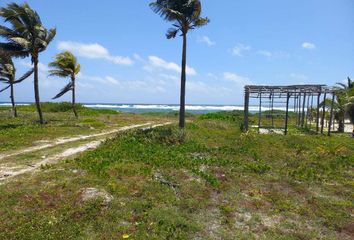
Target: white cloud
42, 68
108, 80
298, 77
265, 53
211, 75
112, 80
93, 51
170, 77
206, 40
204, 88
273, 55
138, 57
308, 45
150, 85
155, 62
233, 77
239, 49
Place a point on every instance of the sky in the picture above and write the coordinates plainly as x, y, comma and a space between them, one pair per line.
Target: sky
126, 58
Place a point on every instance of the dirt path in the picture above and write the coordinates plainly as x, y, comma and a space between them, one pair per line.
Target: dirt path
11, 172
61, 141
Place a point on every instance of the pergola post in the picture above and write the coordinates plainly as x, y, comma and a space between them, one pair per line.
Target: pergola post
299, 111
308, 109
318, 113
323, 112
303, 111
287, 113
246, 109
260, 113
331, 115
272, 95
311, 110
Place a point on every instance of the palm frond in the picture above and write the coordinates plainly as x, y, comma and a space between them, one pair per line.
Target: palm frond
26, 30
66, 89
24, 43
166, 13
14, 50
184, 13
64, 65
171, 33
200, 22
342, 85
25, 76
58, 73
2, 90
51, 34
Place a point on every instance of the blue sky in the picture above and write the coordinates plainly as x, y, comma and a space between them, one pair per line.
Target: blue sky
126, 58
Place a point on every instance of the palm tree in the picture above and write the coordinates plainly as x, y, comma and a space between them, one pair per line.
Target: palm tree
350, 102
65, 65
342, 100
341, 103
8, 76
26, 37
185, 16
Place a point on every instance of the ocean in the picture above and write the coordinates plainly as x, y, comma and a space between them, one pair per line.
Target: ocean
143, 108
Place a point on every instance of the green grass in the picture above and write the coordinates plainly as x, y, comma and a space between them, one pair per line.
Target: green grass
208, 182
16, 133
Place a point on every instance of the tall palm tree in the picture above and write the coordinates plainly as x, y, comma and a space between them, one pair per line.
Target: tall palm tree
65, 65
26, 37
185, 16
8, 76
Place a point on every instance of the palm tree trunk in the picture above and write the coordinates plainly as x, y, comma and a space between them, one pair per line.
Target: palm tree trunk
182, 110
73, 96
14, 111
36, 90
341, 126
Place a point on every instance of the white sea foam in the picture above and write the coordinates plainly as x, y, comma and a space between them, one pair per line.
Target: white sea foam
166, 107
9, 104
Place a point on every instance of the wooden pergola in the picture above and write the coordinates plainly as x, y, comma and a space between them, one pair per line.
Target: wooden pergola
302, 98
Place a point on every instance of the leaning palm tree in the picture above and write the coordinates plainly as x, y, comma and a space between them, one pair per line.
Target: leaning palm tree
65, 65
8, 76
185, 16
26, 37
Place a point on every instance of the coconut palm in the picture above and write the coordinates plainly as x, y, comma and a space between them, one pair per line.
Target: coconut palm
26, 37
8, 76
65, 65
342, 92
342, 101
185, 16
350, 102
